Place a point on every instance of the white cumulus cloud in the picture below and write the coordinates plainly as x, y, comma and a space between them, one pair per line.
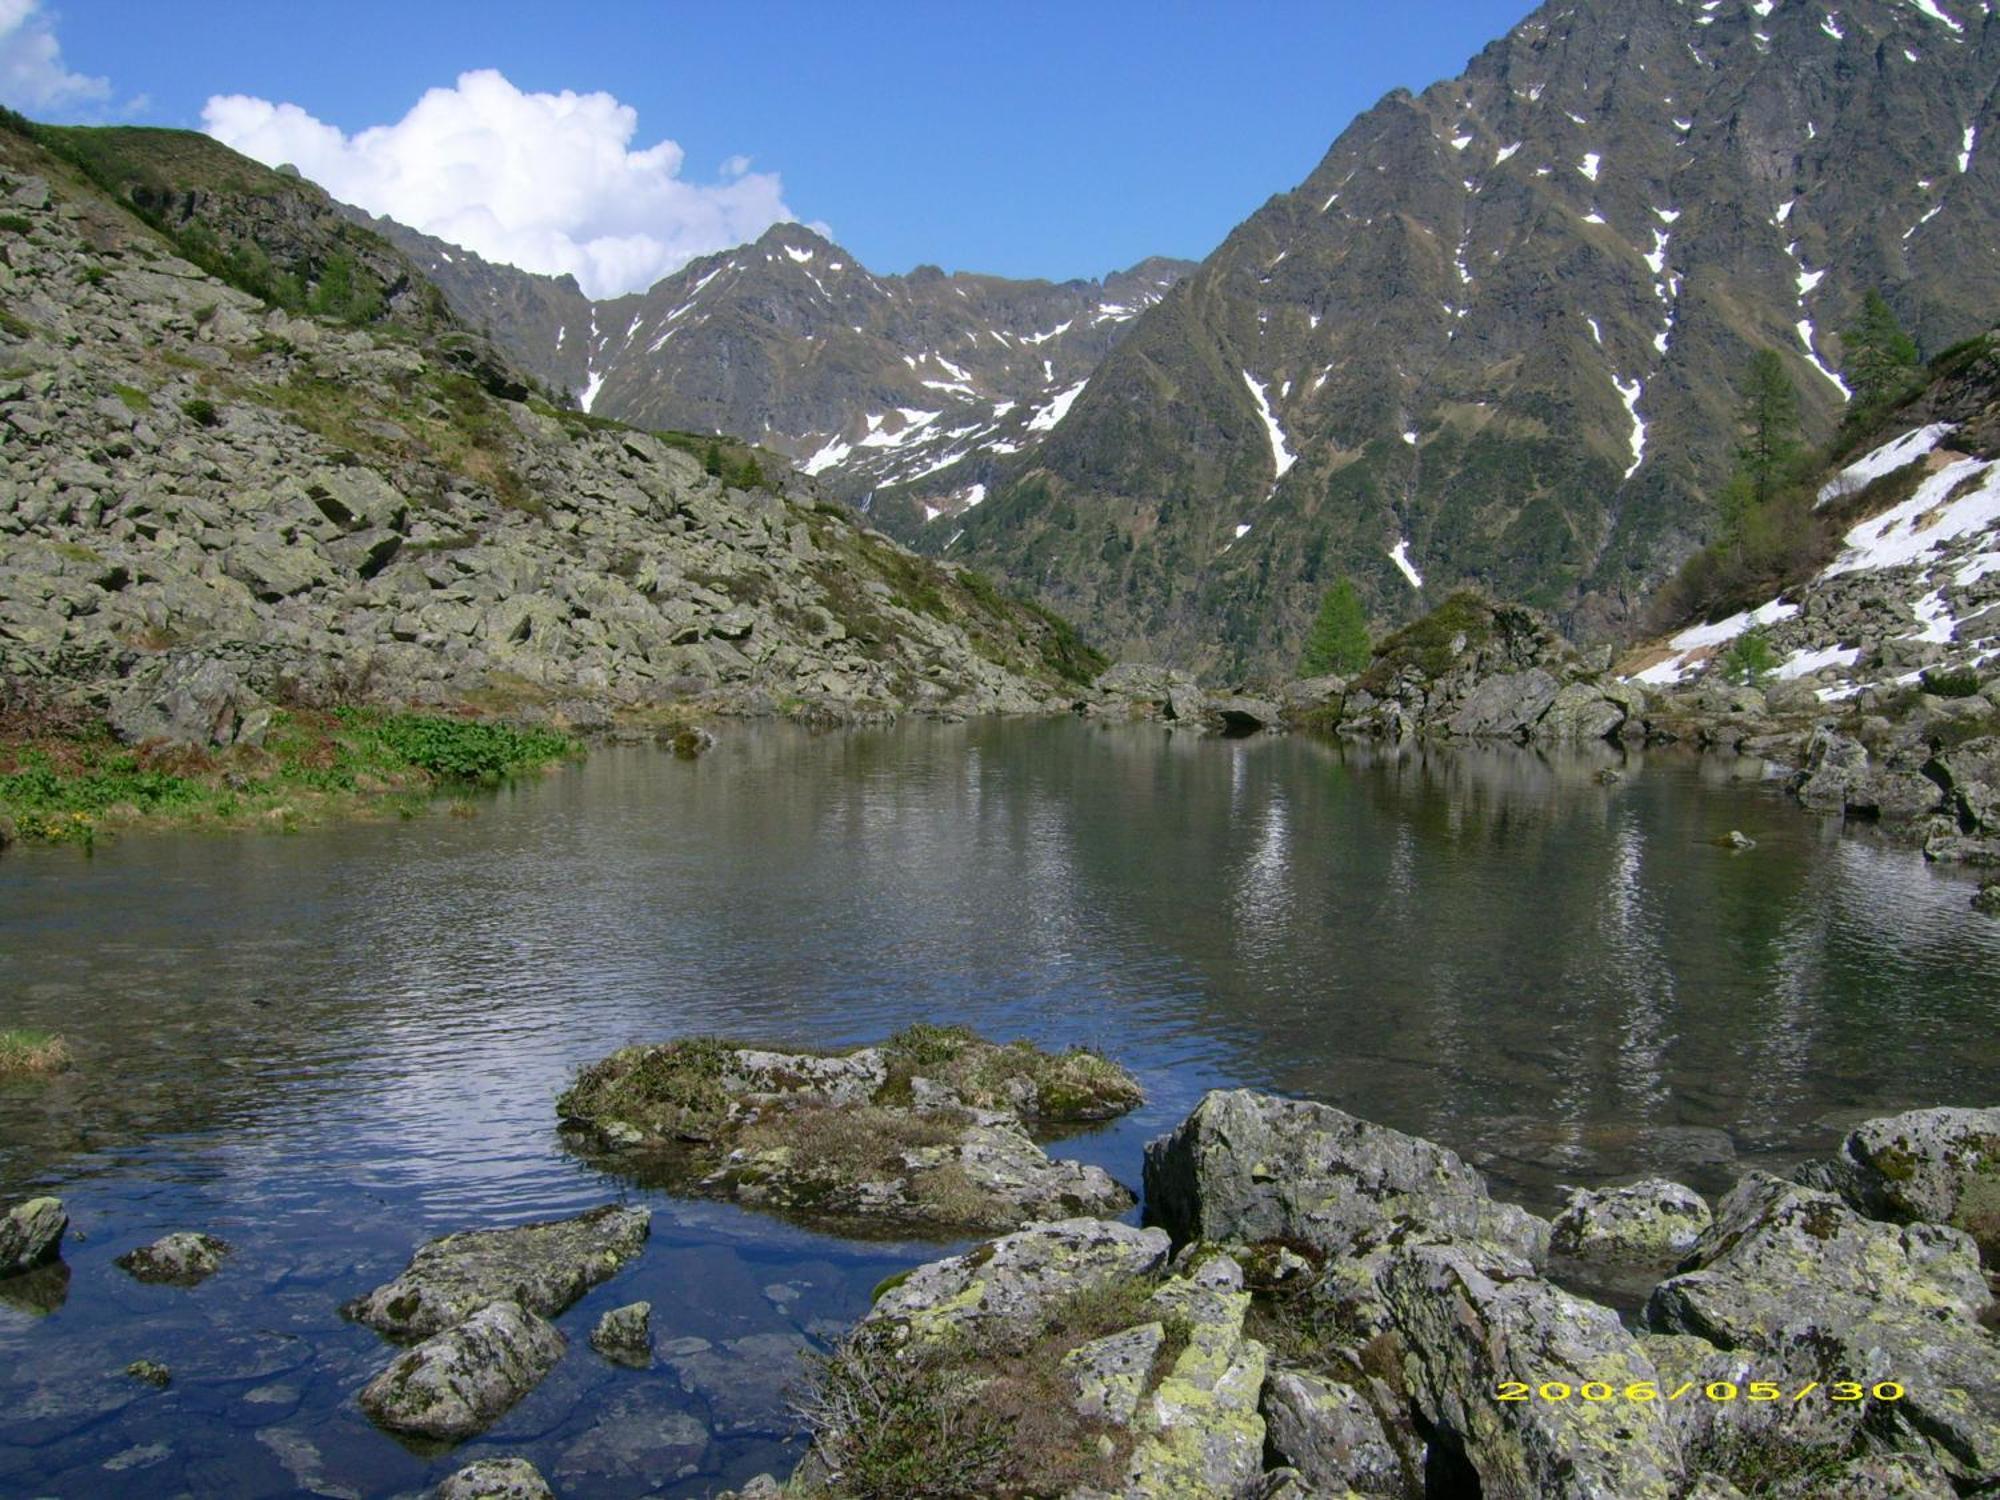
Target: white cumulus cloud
32, 75
546, 182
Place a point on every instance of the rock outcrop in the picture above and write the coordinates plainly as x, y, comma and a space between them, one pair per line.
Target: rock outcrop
1932, 1166
927, 1132
184, 1258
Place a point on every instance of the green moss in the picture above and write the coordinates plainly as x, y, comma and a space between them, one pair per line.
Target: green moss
133, 397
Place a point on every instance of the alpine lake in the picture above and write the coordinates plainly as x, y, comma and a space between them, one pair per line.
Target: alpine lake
330, 1046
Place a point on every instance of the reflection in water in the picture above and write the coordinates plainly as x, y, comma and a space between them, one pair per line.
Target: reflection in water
326, 1047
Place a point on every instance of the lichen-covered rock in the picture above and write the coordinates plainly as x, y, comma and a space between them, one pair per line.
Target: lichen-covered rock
1245, 1167
1796, 1276
1987, 899
1200, 1432
457, 1383
925, 1133
495, 1479
1652, 1220
1743, 1438
1835, 766
625, 1334
152, 1372
1937, 1166
181, 1259
544, 1267
1329, 1434
1015, 1280
1473, 1317
1107, 1376
31, 1234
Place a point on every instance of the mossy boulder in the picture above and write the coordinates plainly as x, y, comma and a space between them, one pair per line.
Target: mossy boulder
928, 1132
31, 1234
457, 1383
495, 1479
1649, 1221
185, 1258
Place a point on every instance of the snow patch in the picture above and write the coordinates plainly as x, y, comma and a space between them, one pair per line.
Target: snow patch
1805, 328
1630, 393
1923, 523
1965, 154
834, 452
1588, 166
974, 495
1400, 556
1887, 459
593, 382
803, 257
1832, 29
1805, 663
1242, 530
1595, 332
1460, 142
1046, 417
1929, 8
1505, 152
1282, 457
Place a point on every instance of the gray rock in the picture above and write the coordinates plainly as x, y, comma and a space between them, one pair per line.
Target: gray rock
1796, 1276
1236, 714
544, 1267
1970, 775
195, 700
1471, 1318
1936, 1166
1505, 706
1245, 1167
1013, 1281
181, 1259
1987, 899
1329, 1433
495, 1479
1584, 711
1199, 1432
31, 1234
457, 1383
1107, 1376
625, 1334
1834, 766
1652, 1220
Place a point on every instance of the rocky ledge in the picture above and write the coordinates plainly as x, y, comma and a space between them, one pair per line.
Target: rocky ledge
1332, 1308
929, 1132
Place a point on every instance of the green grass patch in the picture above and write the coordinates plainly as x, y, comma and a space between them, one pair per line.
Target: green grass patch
28, 1053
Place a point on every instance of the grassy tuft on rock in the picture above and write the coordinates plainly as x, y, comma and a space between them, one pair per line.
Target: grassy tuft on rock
28, 1053
954, 1418
1052, 1088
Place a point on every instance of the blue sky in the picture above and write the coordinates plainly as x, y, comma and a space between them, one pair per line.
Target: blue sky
1022, 139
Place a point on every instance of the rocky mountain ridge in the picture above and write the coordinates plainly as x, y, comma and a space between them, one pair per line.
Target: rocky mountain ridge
869, 382
1495, 336
194, 481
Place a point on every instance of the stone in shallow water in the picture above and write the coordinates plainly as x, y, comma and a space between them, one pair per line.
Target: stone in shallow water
458, 1383
625, 1334
31, 1234
545, 1267
152, 1372
495, 1479
180, 1259
636, 1443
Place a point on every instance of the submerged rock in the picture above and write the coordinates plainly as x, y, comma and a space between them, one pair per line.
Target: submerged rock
495, 1479
1650, 1220
544, 1267
625, 1334
152, 1372
927, 1132
1795, 1275
457, 1383
184, 1258
1246, 1167
31, 1234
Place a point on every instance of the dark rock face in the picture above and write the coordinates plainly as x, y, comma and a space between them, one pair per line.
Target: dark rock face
1459, 319
544, 1267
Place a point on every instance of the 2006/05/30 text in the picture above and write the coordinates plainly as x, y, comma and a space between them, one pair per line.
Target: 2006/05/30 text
1714, 1390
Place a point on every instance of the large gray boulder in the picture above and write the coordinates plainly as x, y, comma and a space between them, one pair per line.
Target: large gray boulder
192, 700
544, 1267
1795, 1276
31, 1234
1835, 766
1935, 1166
457, 1383
1505, 706
1970, 774
1472, 1319
1245, 1167
1585, 711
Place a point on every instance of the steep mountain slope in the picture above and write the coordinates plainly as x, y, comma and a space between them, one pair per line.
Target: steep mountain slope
869, 381
1493, 338
344, 508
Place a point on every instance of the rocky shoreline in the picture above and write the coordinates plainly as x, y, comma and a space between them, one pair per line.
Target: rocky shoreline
1316, 1305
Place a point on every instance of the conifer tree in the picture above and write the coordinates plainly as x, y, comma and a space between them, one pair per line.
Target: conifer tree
1339, 639
1880, 360
1770, 421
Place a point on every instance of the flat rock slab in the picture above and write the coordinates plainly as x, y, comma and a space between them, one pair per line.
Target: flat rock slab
180, 1259
544, 1267
457, 1383
1246, 1167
